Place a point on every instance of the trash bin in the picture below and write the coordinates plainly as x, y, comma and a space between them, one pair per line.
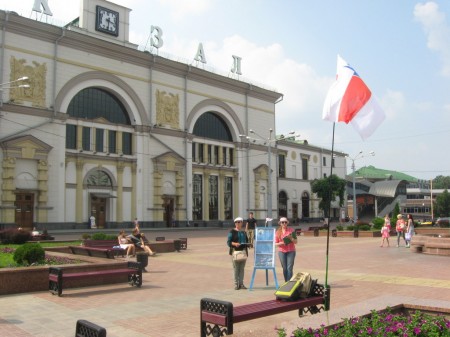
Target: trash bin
177, 245
316, 231
334, 233
142, 257
355, 233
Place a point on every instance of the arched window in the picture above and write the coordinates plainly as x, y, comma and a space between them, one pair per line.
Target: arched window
99, 178
209, 125
93, 103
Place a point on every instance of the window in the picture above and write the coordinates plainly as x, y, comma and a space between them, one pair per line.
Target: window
197, 200
213, 198
281, 165
201, 154
212, 126
294, 171
93, 103
304, 169
127, 139
324, 160
99, 141
112, 148
332, 162
71, 136
228, 198
86, 139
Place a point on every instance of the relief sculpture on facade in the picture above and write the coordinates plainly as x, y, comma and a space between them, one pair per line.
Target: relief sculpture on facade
167, 109
36, 74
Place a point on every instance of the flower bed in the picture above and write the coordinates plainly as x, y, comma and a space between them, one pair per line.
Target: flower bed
402, 320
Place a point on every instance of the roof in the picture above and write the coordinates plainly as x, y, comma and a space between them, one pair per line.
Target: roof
373, 173
386, 188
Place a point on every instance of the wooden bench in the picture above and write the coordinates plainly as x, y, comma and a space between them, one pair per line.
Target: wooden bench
218, 317
93, 251
57, 276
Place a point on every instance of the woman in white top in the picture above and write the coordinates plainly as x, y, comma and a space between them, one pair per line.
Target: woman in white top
124, 243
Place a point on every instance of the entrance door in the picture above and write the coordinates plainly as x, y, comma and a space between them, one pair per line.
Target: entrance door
24, 210
98, 210
168, 211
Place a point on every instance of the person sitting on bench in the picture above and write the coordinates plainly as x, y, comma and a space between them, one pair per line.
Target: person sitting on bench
138, 240
126, 244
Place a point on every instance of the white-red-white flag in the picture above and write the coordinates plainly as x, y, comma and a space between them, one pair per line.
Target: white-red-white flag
349, 100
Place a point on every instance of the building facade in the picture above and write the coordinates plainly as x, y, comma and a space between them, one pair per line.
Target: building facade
106, 133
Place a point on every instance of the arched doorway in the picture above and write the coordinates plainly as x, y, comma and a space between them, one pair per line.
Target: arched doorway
99, 182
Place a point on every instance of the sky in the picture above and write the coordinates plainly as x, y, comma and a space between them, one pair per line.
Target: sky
400, 49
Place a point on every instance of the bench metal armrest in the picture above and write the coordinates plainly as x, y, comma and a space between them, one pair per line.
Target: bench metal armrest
216, 317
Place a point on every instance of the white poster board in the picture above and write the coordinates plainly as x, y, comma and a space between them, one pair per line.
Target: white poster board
264, 247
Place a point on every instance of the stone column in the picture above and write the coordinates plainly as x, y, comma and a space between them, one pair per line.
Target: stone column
8, 188
42, 178
79, 193
119, 204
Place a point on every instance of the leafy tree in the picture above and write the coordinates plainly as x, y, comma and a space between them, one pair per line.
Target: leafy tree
442, 204
395, 212
328, 189
441, 182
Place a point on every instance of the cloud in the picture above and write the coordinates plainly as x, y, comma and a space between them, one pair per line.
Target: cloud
437, 30
393, 103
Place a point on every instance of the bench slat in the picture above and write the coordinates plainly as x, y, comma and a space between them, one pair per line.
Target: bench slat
272, 307
99, 273
214, 318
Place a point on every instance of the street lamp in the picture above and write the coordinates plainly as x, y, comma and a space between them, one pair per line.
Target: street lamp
358, 156
267, 141
12, 85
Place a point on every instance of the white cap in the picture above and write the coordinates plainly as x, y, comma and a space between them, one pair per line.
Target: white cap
238, 219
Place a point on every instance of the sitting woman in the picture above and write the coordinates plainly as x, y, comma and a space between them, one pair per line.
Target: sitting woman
126, 244
138, 240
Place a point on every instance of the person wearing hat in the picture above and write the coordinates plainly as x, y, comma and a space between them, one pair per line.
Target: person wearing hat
400, 229
237, 242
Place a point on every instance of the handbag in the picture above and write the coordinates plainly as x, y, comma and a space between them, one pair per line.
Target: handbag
407, 236
239, 255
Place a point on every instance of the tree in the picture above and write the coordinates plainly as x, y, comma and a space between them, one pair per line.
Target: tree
442, 204
328, 189
441, 182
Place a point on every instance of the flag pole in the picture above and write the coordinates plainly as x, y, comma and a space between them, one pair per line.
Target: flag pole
327, 287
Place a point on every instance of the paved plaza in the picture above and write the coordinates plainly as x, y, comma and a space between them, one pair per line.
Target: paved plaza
362, 277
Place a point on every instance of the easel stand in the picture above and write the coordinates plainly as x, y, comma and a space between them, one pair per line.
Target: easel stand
267, 276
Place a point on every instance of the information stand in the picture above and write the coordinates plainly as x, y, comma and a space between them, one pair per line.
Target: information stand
264, 245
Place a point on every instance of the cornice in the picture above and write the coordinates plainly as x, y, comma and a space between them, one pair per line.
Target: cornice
89, 44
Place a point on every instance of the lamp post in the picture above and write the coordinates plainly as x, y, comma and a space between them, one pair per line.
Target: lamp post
358, 156
267, 141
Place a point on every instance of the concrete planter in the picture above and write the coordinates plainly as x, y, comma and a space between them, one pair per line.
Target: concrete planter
30, 279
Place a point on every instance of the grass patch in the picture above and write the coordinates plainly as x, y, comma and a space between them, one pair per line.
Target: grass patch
7, 253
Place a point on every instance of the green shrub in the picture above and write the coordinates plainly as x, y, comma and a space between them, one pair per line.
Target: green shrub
363, 227
29, 253
377, 223
98, 236
340, 228
103, 236
350, 227
85, 236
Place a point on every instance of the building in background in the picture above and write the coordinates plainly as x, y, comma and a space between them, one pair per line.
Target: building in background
106, 133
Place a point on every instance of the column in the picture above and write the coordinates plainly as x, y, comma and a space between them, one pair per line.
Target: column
119, 203
79, 193
8, 188
42, 178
